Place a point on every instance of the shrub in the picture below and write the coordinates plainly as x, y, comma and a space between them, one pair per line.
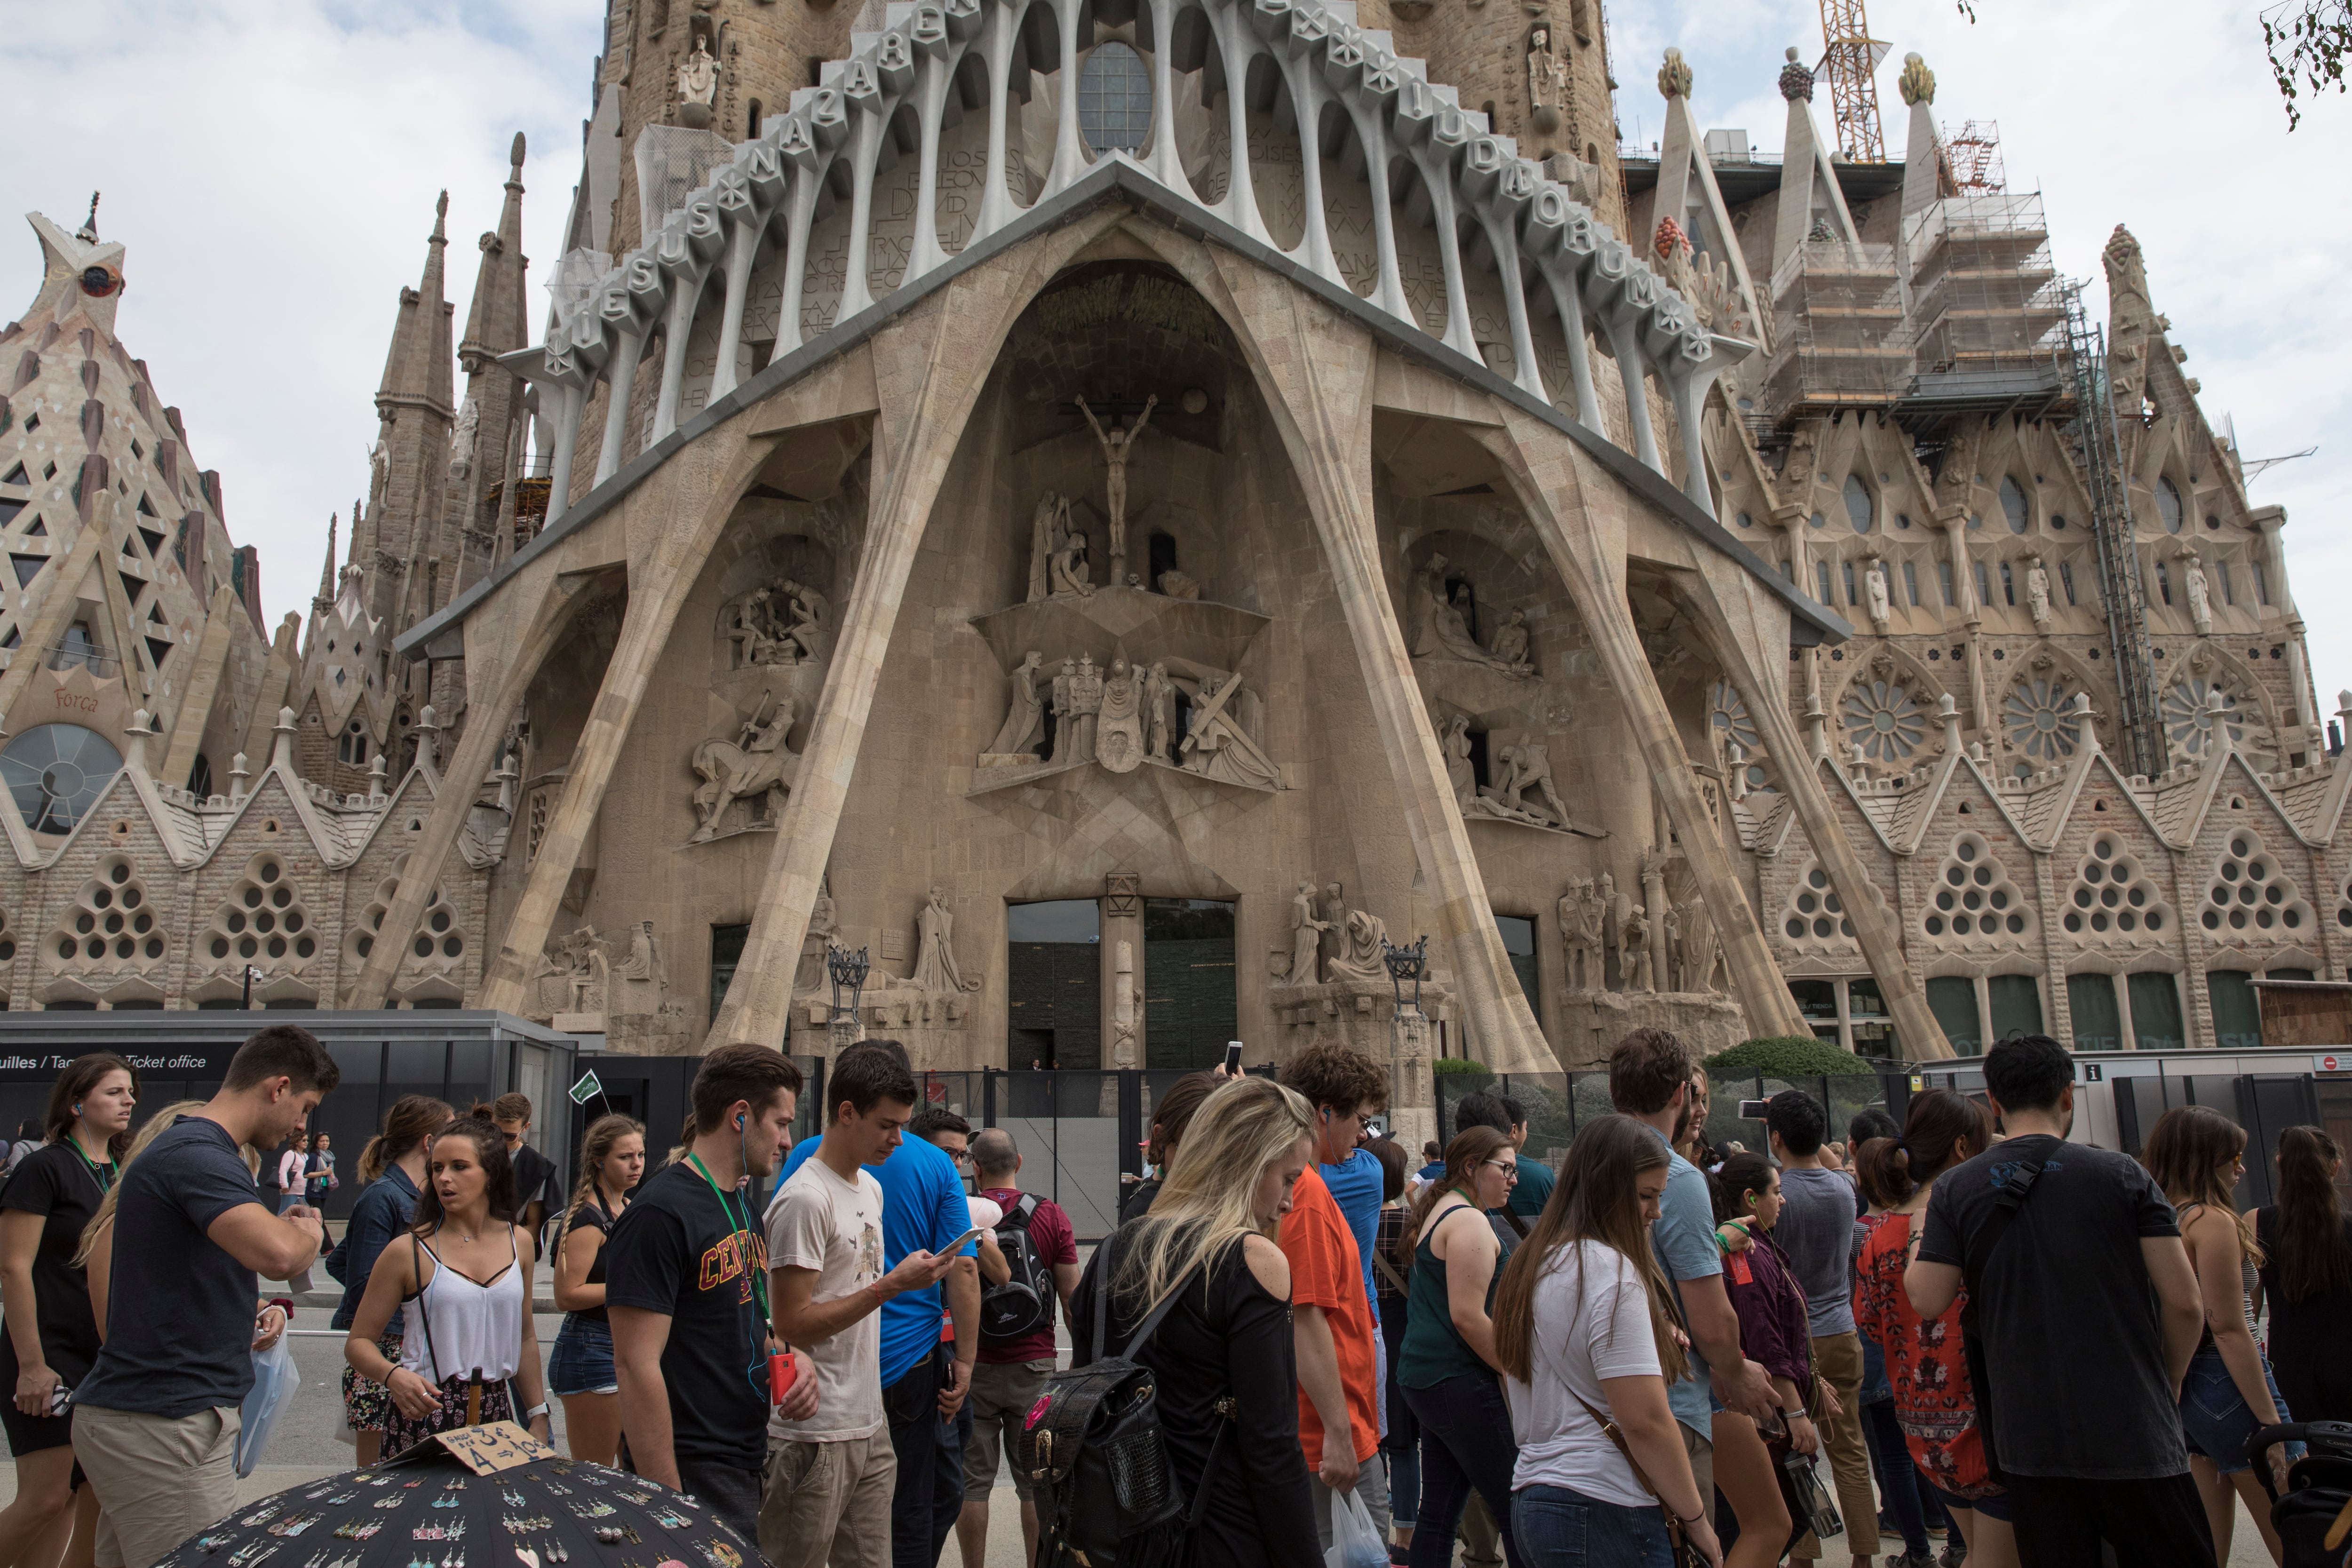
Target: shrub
1785, 1056
1460, 1065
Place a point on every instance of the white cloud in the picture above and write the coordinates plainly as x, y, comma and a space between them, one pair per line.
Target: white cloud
272, 165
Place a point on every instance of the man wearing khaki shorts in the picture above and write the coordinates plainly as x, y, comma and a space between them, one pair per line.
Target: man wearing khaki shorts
156, 1422
1013, 1367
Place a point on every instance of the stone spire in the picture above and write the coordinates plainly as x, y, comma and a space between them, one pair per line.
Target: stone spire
495, 324
1810, 201
1922, 158
416, 370
416, 405
326, 595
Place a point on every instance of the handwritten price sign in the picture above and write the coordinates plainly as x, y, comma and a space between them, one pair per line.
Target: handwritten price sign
497, 1446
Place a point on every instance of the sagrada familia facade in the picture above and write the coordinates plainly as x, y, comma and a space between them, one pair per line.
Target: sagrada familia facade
1122, 513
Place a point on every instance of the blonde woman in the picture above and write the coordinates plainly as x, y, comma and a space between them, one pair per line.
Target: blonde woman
95, 1256
1228, 1341
580, 1372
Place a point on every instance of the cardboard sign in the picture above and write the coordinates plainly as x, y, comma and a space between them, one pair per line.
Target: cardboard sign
494, 1446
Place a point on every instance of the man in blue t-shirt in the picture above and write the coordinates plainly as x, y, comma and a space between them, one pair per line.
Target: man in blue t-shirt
1650, 1080
156, 1421
923, 1385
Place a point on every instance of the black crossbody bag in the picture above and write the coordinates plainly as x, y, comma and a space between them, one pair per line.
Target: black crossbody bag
1979, 1257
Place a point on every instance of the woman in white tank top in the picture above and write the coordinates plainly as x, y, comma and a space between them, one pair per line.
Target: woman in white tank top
464, 1276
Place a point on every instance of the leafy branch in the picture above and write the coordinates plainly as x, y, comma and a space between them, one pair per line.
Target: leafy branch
2308, 40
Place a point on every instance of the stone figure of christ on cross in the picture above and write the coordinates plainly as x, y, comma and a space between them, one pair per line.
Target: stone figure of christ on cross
1118, 444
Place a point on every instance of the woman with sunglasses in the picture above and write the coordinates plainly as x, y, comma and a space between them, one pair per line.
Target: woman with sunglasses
1448, 1364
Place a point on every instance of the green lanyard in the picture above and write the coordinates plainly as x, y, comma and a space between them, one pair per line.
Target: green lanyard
105, 1183
759, 1276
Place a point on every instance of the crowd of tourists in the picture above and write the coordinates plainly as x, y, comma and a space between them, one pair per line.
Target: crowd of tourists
1963, 1338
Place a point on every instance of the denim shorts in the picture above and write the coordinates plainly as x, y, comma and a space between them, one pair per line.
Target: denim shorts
1992, 1505
2216, 1419
582, 1361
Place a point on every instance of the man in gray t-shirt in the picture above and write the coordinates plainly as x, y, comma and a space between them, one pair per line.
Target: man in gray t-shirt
1816, 1230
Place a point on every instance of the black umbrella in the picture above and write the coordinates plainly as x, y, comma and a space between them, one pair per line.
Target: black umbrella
427, 1509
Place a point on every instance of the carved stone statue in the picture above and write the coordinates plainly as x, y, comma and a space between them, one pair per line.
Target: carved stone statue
1179, 585
810, 974
1675, 76
1511, 643
1119, 734
808, 607
1882, 606
1612, 924
1086, 709
780, 625
1591, 930
697, 87
582, 971
1440, 629
1699, 947
1459, 773
1633, 950
1159, 710
1580, 936
1117, 445
1070, 569
462, 438
1022, 719
1305, 935
1044, 541
1219, 746
756, 764
2037, 592
643, 962
1529, 761
1671, 961
2201, 597
1359, 957
1335, 919
935, 959
1546, 81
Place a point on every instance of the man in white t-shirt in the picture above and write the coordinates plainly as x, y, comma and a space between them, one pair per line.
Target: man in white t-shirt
826, 1494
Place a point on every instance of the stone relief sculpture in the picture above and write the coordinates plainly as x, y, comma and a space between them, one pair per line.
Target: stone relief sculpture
1547, 80
1070, 571
1700, 948
1511, 643
1044, 538
1670, 944
2037, 591
756, 767
1219, 746
463, 436
1441, 626
1117, 445
1358, 958
697, 87
1527, 764
1064, 724
643, 962
1633, 952
1882, 606
1086, 709
1023, 718
580, 972
780, 625
1159, 710
1306, 936
1178, 586
810, 974
2200, 596
1580, 916
1119, 732
1454, 741
935, 959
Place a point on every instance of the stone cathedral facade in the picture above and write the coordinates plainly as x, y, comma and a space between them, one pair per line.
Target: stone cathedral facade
1121, 512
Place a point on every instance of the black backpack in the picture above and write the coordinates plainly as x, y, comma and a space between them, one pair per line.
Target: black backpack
1023, 1304
1093, 1442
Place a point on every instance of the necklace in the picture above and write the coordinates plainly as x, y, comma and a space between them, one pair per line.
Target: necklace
110, 1168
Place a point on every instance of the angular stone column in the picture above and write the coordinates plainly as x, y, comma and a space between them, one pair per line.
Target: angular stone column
678, 514
1316, 371
1536, 461
929, 366
498, 674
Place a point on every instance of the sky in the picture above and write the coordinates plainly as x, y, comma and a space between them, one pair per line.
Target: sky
272, 165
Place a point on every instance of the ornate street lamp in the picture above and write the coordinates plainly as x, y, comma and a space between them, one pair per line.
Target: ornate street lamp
1404, 963
847, 970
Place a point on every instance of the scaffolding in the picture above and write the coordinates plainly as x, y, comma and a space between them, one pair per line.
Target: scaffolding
1851, 61
1974, 151
1839, 337
2098, 454
1987, 307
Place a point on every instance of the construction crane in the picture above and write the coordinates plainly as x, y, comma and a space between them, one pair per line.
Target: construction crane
1851, 63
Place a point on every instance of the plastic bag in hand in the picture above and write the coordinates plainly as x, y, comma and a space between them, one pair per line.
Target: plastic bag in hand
1355, 1544
274, 1381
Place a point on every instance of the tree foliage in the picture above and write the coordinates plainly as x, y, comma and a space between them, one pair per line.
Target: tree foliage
1785, 1056
2308, 40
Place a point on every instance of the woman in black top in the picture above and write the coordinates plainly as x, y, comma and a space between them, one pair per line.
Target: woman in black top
1227, 1343
580, 1372
51, 1338
2306, 1278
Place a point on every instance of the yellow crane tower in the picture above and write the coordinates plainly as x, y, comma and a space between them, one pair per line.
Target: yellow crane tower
1852, 64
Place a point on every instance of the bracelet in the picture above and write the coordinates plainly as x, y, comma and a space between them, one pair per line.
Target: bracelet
535, 1412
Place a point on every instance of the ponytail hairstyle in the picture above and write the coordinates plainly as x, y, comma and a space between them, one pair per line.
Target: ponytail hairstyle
2189, 1152
1595, 1199
156, 1126
595, 1150
2313, 1257
1471, 1147
1742, 1174
413, 1118
498, 1173
80, 1079
1942, 1128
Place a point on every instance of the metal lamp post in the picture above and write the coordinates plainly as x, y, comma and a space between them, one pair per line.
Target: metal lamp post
847, 972
1404, 963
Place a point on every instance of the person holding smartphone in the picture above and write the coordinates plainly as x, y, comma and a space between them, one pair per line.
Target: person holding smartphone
52, 1336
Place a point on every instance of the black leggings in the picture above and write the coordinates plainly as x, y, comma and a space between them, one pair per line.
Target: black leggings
1465, 1444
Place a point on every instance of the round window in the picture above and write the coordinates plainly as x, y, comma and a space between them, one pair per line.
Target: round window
1115, 98
55, 773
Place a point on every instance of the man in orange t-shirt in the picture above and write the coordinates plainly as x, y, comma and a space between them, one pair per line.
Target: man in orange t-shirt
1339, 1380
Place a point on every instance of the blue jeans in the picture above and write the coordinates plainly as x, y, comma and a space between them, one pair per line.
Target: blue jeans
1466, 1444
2215, 1417
1401, 1439
1558, 1528
1898, 1479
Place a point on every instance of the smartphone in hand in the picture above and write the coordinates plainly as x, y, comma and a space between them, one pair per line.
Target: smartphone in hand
1232, 1058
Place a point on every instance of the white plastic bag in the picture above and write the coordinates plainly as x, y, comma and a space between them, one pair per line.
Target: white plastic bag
275, 1379
1355, 1544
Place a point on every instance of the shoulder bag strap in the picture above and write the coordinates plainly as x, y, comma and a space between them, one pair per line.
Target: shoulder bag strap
1167, 1304
1388, 1270
1672, 1521
424, 1319
1974, 1261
